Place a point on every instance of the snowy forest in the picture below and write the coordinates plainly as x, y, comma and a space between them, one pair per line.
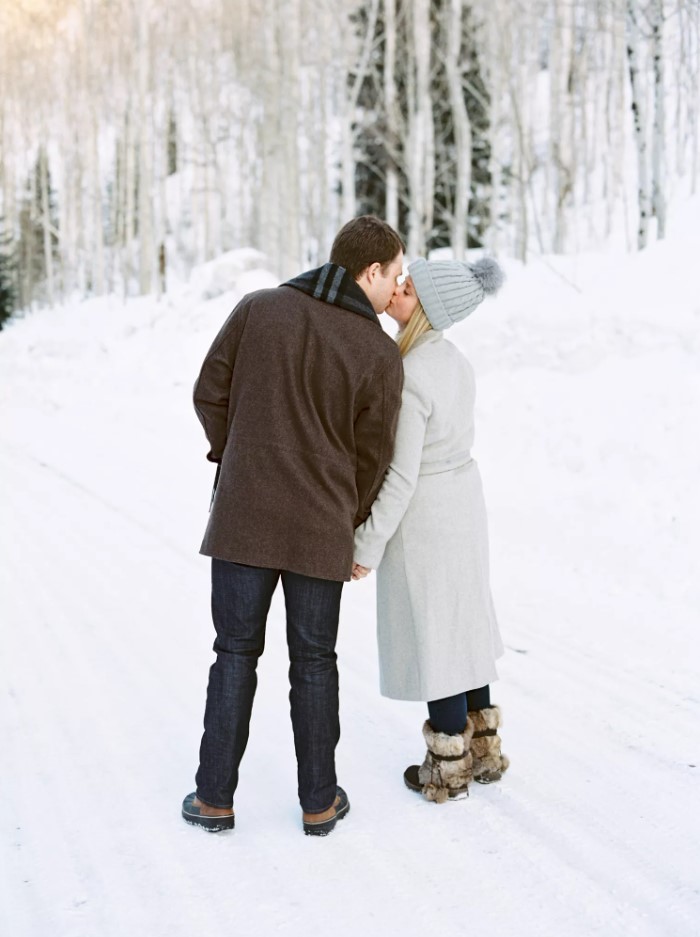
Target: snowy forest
159, 161
139, 139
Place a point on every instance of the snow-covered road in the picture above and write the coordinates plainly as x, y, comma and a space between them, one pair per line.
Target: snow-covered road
590, 479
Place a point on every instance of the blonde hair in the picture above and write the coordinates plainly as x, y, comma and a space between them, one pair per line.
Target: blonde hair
417, 325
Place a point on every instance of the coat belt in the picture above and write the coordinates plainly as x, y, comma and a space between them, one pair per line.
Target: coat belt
438, 468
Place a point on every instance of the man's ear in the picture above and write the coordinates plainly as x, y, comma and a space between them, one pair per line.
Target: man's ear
373, 270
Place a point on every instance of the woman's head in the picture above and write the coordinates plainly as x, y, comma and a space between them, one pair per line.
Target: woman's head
406, 310
449, 290
403, 303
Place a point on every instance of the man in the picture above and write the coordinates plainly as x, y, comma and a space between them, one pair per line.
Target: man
299, 398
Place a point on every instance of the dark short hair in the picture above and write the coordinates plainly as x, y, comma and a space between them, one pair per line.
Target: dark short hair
364, 241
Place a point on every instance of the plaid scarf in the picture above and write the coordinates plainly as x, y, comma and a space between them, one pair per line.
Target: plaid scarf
333, 284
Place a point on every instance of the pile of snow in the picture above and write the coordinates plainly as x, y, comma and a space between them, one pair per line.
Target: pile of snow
588, 390
237, 270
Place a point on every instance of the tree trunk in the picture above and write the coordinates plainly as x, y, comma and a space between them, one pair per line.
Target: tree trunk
129, 203
348, 145
390, 107
562, 117
639, 124
269, 235
290, 207
46, 223
420, 156
462, 128
144, 158
658, 154
94, 180
694, 98
614, 117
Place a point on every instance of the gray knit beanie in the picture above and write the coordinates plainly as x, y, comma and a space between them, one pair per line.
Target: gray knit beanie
449, 290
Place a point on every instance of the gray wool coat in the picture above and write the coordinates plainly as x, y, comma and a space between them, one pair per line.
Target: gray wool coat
427, 538
299, 400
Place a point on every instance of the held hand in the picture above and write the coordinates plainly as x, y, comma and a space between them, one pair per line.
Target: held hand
359, 572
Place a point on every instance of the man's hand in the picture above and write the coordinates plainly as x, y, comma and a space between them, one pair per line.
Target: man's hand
359, 572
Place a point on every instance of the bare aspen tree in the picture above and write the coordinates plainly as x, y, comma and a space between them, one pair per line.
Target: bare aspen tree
96, 237
639, 118
586, 141
658, 197
71, 188
357, 73
391, 110
693, 96
201, 148
347, 160
594, 66
271, 192
164, 135
613, 24
327, 218
9, 92
327, 52
129, 201
420, 149
679, 79
452, 20
6, 185
43, 166
519, 173
290, 206
145, 169
562, 116
496, 77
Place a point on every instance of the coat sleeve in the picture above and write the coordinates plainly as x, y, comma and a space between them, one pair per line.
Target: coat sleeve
375, 433
212, 390
400, 481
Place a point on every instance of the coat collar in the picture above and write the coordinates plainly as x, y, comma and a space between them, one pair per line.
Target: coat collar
334, 285
434, 335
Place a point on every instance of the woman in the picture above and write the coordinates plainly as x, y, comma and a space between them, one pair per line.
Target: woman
427, 537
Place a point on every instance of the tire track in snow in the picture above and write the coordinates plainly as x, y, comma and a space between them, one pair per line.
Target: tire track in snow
596, 804
108, 505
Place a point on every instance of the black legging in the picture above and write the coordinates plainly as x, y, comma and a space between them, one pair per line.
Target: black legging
449, 715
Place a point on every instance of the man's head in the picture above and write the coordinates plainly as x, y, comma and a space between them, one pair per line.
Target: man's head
372, 253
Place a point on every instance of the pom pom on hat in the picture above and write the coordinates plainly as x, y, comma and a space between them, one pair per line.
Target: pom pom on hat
449, 290
489, 274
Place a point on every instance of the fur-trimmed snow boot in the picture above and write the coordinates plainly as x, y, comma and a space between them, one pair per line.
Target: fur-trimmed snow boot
488, 762
447, 769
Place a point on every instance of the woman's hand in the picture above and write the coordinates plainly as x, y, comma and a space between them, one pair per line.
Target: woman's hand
359, 572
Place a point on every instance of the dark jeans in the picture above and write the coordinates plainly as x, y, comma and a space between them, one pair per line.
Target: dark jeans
449, 715
241, 597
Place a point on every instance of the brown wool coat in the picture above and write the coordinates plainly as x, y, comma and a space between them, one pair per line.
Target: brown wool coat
299, 400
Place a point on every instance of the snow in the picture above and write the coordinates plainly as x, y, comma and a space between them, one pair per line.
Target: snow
588, 390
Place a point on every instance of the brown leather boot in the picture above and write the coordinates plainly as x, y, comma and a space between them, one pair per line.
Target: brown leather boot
213, 819
321, 824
